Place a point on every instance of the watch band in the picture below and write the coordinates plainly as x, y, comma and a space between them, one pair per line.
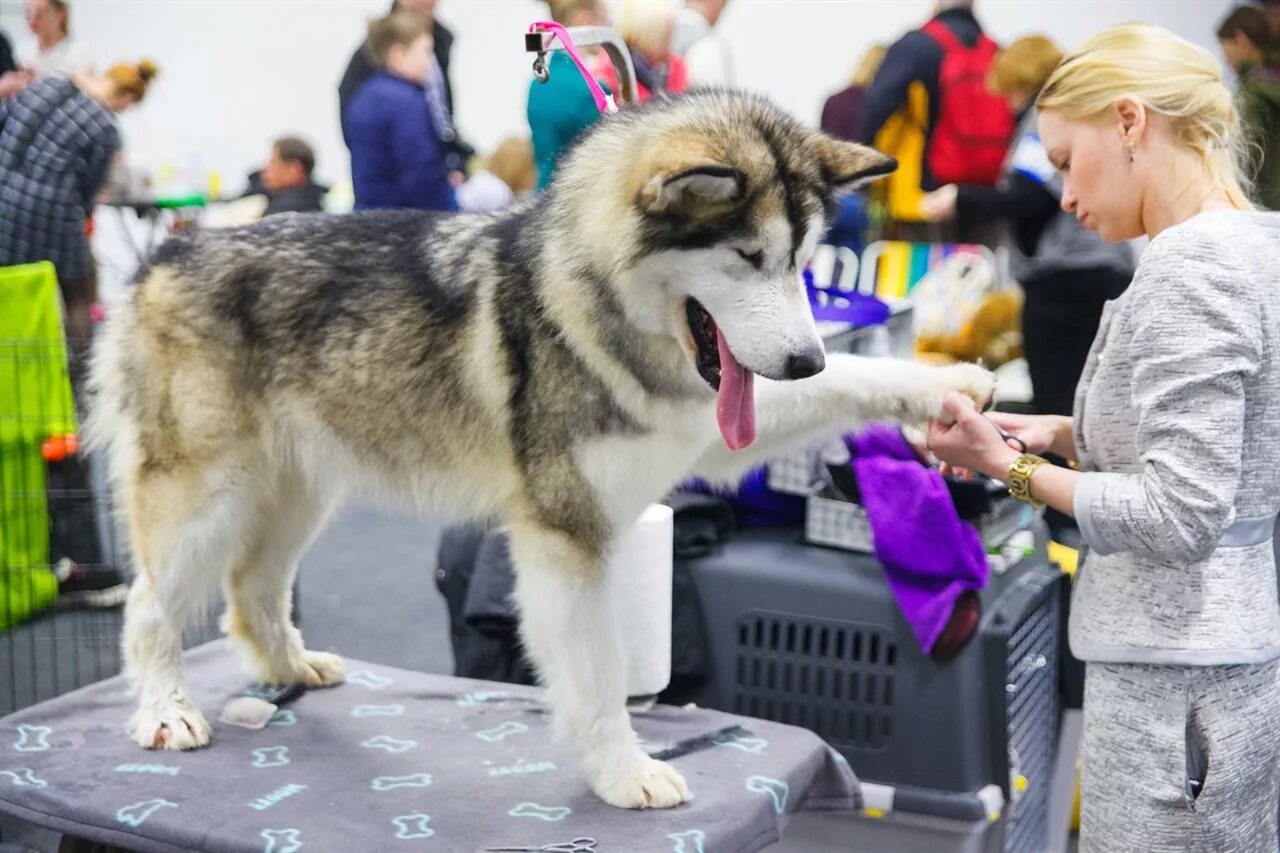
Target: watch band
1020, 478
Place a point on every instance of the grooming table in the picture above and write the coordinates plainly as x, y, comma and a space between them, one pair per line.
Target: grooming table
395, 760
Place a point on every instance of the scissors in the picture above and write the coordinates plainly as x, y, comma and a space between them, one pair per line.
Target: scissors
1009, 437
585, 844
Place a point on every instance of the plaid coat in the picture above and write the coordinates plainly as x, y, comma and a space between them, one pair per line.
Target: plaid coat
56, 145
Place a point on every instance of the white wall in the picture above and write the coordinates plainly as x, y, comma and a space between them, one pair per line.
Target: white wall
236, 73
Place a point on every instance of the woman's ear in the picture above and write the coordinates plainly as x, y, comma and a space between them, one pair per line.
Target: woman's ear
1131, 116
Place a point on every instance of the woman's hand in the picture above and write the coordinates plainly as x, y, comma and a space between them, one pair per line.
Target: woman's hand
13, 82
971, 442
939, 204
1038, 432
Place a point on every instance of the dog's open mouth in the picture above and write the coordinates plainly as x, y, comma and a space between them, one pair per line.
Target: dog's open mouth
734, 384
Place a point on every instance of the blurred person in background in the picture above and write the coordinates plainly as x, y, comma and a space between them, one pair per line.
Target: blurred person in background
508, 175
57, 141
52, 51
704, 50
287, 180
1246, 40
1271, 8
842, 117
561, 108
646, 26
397, 158
844, 112
438, 91
938, 120
1067, 272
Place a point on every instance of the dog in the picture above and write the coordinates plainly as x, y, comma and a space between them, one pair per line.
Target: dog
557, 367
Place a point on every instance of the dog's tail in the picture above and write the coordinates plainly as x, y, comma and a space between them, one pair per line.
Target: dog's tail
109, 428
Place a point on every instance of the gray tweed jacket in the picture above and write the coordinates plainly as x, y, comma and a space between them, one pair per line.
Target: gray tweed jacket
1177, 421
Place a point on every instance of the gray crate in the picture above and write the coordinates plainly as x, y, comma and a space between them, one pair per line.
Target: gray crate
812, 636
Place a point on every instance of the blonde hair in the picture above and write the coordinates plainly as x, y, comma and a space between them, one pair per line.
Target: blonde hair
1169, 76
512, 162
868, 65
131, 78
646, 25
1023, 66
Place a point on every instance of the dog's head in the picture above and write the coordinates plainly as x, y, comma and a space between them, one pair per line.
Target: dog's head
727, 198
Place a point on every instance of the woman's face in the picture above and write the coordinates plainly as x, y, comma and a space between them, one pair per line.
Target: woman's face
1099, 183
44, 21
121, 101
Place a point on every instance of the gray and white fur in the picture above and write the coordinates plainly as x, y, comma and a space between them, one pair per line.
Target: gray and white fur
537, 366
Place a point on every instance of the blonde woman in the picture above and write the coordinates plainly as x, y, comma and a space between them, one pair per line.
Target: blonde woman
1176, 432
646, 26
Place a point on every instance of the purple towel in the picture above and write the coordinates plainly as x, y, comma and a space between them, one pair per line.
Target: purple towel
931, 558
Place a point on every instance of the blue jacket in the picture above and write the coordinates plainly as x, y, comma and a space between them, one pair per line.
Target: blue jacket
397, 158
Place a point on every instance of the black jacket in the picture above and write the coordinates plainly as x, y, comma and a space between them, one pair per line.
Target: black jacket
914, 58
7, 62
308, 198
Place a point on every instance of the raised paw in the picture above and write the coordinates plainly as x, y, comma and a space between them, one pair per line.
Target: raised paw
172, 724
644, 784
976, 383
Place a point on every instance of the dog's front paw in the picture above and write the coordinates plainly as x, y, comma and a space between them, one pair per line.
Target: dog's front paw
643, 784
174, 724
323, 669
315, 669
976, 383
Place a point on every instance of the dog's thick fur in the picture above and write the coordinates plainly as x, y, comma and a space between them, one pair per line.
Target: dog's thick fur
535, 366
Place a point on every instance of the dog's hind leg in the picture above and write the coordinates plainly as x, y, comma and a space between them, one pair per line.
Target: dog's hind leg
259, 589
184, 530
570, 631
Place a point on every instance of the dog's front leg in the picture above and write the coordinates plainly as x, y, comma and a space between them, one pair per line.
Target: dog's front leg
851, 391
572, 637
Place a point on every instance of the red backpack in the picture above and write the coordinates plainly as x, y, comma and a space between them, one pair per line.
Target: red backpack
974, 126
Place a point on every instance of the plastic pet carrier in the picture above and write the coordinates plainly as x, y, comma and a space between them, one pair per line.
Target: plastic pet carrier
813, 637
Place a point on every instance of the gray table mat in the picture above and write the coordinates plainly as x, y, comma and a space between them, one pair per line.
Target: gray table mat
393, 760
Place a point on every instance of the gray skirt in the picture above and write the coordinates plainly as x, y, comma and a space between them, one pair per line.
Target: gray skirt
1181, 758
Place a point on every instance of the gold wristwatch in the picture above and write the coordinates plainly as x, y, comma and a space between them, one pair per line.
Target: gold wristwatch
1020, 478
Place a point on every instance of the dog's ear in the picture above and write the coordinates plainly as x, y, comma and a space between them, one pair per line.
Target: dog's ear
709, 185
848, 165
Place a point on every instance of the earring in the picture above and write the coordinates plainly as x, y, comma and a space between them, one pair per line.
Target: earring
1133, 152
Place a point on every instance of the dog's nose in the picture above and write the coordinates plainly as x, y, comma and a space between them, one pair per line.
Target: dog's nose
802, 365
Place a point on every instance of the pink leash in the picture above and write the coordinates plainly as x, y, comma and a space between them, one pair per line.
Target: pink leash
604, 102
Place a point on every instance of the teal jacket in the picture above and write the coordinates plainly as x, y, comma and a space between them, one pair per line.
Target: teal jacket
558, 111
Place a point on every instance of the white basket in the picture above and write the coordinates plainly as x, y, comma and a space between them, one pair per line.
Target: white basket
804, 472
838, 524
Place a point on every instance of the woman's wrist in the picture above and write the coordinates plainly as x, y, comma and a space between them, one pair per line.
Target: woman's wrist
1001, 462
1064, 439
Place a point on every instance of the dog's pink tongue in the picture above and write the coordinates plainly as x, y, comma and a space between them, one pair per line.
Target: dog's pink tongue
736, 400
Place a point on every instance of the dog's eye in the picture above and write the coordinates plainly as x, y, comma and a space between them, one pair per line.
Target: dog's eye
756, 259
